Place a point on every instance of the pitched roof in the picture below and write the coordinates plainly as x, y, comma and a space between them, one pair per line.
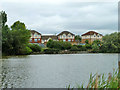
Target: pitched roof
33, 31
91, 33
65, 32
46, 37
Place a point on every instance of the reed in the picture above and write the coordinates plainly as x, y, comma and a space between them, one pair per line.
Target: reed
102, 81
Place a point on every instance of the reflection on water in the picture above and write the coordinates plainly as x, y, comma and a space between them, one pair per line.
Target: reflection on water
54, 71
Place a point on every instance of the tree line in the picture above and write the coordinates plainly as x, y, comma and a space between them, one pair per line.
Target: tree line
15, 41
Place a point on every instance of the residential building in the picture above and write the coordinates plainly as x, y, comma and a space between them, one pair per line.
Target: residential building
46, 38
91, 36
35, 37
66, 36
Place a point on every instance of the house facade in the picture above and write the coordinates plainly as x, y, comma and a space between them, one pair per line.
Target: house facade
46, 38
66, 36
35, 37
91, 36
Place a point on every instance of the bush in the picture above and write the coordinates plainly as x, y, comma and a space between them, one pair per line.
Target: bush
88, 46
59, 45
74, 48
51, 51
35, 47
79, 46
95, 48
83, 48
26, 51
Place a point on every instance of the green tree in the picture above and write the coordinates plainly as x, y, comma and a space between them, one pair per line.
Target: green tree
20, 37
4, 18
78, 38
95, 48
86, 41
98, 42
18, 26
34, 47
110, 43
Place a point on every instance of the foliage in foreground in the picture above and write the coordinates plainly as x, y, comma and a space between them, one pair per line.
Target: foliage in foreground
100, 81
14, 38
34, 47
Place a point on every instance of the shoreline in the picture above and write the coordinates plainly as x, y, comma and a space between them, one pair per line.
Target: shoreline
57, 54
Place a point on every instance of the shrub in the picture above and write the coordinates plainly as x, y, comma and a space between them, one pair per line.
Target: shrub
26, 51
35, 47
88, 46
59, 45
95, 48
74, 48
51, 51
79, 46
83, 48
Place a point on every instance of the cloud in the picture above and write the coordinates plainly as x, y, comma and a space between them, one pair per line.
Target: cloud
54, 17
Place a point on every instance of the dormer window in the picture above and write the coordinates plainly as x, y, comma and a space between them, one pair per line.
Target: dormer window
60, 36
64, 35
35, 35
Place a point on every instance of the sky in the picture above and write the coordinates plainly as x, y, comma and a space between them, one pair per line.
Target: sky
55, 16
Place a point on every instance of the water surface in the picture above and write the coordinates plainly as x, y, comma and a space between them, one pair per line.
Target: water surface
54, 71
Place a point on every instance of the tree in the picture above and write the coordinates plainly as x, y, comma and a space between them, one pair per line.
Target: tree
86, 41
78, 38
20, 36
95, 48
4, 18
110, 43
98, 42
18, 26
34, 47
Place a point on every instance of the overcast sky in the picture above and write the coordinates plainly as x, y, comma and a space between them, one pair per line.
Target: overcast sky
54, 16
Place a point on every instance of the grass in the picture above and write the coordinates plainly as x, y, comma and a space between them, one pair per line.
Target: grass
100, 81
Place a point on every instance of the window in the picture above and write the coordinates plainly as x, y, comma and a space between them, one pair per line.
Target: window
30, 40
35, 40
72, 39
69, 40
64, 40
35, 35
38, 35
69, 35
60, 36
64, 35
39, 39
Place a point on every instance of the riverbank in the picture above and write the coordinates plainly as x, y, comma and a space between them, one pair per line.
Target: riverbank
62, 52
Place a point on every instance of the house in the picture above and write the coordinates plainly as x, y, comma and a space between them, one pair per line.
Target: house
46, 38
35, 37
66, 36
91, 36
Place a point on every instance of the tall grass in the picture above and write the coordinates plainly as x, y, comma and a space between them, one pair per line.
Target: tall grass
101, 81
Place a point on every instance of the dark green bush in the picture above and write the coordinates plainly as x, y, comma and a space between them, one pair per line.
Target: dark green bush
79, 46
51, 51
26, 51
83, 48
74, 48
59, 45
35, 47
88, 46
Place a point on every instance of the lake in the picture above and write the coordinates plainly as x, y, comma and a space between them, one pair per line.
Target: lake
54, 71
